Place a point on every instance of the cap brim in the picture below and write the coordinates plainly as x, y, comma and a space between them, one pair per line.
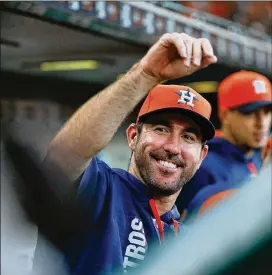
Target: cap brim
251, 107
206, 127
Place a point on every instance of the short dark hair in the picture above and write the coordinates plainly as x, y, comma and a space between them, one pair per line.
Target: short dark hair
139, 126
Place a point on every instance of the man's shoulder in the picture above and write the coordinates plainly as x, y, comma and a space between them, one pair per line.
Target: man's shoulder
97, 166
213, 161
219, 154
213, 168
98, 174
98, 170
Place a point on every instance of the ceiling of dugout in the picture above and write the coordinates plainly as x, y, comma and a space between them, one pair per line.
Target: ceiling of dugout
28, 41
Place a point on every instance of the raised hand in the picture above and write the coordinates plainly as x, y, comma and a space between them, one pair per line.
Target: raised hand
176, 55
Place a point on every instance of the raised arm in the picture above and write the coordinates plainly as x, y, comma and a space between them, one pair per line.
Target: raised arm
93, 125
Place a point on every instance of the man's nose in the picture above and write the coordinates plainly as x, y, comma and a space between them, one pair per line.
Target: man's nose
172, 145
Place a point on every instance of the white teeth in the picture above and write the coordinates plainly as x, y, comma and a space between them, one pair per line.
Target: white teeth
167, 164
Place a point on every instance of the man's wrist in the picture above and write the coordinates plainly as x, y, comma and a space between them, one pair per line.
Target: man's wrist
140, 78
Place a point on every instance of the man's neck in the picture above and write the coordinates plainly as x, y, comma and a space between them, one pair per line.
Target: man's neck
165, 204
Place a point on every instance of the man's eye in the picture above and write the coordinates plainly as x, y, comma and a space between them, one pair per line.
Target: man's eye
250, 114
161, 129
189, 137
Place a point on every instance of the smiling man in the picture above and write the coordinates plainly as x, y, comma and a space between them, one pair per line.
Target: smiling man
129, 211
168, 141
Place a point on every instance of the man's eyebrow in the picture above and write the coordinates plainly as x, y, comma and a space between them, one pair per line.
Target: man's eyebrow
165, 122
194, 130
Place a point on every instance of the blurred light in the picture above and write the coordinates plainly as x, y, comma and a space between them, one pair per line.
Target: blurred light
69, 65
203, 86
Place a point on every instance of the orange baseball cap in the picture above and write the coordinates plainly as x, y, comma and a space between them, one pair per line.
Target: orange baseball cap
183, 98
245, 91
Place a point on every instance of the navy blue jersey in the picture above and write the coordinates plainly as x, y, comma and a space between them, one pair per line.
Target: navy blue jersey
225, 164
120, 228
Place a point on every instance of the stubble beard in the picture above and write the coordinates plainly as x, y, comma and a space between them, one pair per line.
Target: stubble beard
147, 173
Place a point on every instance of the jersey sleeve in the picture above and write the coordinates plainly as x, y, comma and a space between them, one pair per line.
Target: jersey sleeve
93, 188
207, 198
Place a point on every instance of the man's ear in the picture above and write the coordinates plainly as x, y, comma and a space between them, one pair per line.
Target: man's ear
203, 154
224, 117
132, 135
222, 114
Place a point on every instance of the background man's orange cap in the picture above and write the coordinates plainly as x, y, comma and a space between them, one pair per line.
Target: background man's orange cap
244, 91
183, 98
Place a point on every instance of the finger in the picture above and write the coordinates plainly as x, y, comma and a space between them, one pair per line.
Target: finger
189, 49
197, 53
206, 47
174, 39
178, 41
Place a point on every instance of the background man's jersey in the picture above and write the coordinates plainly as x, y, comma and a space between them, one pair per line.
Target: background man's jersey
225, 164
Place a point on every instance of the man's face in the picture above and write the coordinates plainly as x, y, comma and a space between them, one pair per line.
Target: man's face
249, 130
167, 152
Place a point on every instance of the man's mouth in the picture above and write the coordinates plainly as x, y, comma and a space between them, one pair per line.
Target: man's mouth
164, 160
259, 136
168, 164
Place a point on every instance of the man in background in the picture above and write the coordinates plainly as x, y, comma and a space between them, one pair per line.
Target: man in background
244, 103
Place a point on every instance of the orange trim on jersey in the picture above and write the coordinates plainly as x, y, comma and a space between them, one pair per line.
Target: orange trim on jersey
214, 199
267, 149
252, 168
218, 133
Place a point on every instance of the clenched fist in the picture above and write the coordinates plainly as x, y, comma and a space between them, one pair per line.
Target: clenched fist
176, 55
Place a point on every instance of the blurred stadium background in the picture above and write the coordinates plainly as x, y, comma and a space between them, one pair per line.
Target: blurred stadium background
56, 55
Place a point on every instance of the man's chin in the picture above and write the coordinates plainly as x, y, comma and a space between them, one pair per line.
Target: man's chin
165, 188
257, 145
161, 192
